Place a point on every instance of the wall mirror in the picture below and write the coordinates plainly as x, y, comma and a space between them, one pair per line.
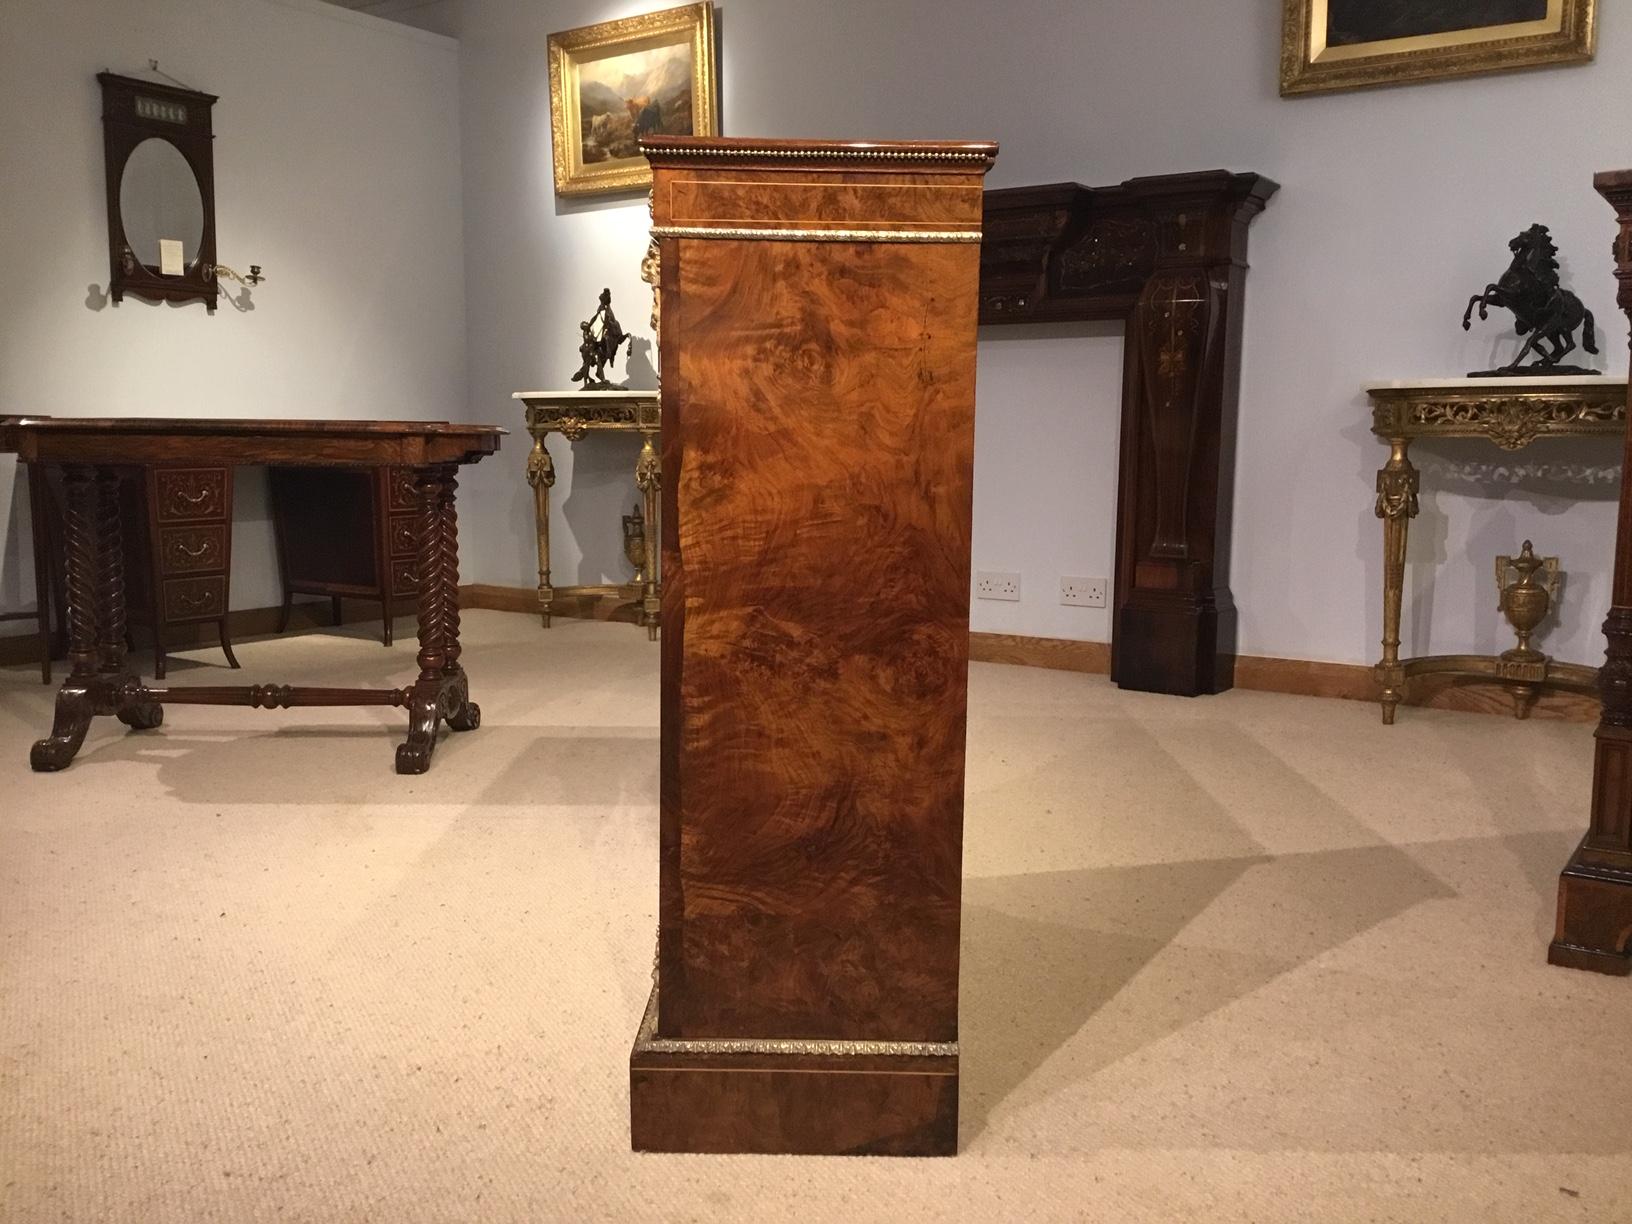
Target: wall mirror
161, 191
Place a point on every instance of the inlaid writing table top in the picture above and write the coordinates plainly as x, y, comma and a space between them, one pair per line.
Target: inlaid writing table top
243, 425
249, 440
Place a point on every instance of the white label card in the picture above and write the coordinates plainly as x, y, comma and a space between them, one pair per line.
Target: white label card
170, 257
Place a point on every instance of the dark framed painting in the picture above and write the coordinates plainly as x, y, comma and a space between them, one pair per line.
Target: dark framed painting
1348, 44
612, 83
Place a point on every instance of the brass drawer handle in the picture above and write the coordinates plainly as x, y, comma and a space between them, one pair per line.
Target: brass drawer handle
198, 499
195, 603
192, 554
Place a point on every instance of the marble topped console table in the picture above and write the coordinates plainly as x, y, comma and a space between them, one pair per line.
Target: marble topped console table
573, 414
1512, 413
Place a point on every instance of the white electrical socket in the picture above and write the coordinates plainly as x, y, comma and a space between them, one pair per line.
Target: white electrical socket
997, 586
1083, 592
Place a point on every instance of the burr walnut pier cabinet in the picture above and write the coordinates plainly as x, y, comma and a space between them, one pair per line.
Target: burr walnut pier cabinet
817, 340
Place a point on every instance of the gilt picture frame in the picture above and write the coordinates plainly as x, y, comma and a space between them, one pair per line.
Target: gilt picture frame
613, 82
1329, 45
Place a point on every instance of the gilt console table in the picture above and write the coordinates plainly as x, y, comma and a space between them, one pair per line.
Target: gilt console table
572, 414
1512, 413
90, 453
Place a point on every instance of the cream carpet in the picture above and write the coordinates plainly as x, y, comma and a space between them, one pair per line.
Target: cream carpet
1250, 957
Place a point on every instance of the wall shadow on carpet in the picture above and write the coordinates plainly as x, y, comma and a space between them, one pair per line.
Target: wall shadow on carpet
1080, 969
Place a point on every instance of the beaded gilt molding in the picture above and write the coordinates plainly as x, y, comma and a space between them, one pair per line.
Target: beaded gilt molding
647, 1042
771, 234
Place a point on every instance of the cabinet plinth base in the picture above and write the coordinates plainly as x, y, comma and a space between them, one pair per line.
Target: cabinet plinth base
838, 1104
1594, 917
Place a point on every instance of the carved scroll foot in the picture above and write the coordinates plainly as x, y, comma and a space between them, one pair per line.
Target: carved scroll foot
414, 756
76, 707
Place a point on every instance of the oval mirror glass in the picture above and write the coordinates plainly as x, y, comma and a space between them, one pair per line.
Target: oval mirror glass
159, 199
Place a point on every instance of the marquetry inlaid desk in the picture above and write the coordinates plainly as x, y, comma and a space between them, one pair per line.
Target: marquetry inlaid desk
1512, 413
91, 452
573, 414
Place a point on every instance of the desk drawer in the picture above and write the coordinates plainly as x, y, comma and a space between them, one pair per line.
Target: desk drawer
188, 599
404, 577
404, 535
190, 494
192, 550
403, 495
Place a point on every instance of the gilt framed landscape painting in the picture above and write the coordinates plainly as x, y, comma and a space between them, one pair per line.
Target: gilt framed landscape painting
1347, 44
612, 83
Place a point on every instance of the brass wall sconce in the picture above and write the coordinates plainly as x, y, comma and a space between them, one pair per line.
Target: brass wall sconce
254, 277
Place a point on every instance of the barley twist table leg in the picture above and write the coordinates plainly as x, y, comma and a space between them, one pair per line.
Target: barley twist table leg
110, 611
425, 705
76, 702
461, 713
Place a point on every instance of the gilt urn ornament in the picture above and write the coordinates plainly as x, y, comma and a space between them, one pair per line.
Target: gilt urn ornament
1525, 601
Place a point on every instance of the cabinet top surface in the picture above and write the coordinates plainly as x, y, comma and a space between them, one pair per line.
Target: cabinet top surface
974, 155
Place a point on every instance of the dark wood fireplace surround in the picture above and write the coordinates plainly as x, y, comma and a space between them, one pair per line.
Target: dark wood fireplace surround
1168, 256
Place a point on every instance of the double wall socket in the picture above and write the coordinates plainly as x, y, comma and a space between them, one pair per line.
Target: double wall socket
997, 586
1083, 592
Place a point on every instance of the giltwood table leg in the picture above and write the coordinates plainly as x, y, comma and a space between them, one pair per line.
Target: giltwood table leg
649, 480
76, 699
1397, 484
541, 475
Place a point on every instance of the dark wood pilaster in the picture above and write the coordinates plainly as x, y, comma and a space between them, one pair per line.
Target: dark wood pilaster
1168, 255
1595, 890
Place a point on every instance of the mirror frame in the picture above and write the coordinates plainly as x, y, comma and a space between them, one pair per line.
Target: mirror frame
134, 111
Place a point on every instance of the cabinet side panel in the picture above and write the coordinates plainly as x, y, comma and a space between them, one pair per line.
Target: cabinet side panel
821, 530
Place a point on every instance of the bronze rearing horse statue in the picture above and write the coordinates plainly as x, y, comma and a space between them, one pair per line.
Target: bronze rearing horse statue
1548, 313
